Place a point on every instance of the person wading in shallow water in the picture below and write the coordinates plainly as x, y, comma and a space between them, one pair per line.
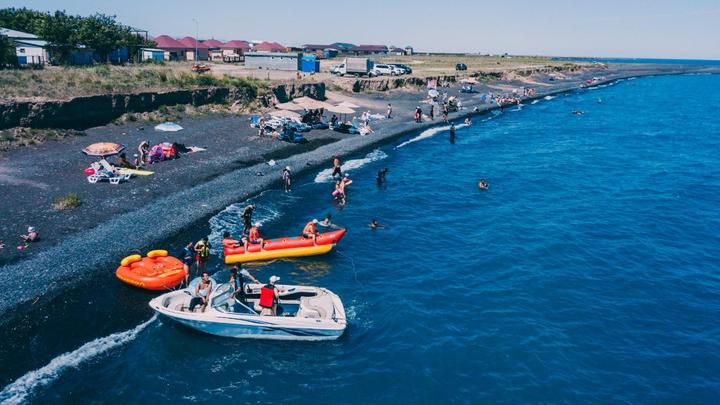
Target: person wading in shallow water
287, 179
247, 218
452, 133
337, 167
202, 250
188, 255
381, 176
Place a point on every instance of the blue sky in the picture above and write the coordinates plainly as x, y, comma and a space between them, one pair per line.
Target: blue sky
629, 28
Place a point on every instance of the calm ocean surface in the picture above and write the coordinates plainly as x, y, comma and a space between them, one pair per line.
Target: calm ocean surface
588, 272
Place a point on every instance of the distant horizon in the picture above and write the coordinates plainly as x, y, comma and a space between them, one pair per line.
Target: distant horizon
641, 29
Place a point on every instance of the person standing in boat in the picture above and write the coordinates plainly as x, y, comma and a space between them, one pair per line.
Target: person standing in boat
237, 280
269, 297
247, 218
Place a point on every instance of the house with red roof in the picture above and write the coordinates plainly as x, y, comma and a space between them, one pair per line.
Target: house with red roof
234, 51
171, 47
269, 47
192, 44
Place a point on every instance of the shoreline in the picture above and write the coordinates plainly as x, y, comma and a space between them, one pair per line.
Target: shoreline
111, 239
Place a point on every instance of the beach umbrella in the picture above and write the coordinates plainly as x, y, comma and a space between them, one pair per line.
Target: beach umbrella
285, 114
168, 127
309, 103
290, 106
103, 149
340, 109
348, 104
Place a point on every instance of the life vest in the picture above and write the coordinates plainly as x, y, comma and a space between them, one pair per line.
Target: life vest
253, 234
229, 243
204, 252
267, 296
310, 228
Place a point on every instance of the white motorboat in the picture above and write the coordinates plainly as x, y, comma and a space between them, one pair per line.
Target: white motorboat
304, 313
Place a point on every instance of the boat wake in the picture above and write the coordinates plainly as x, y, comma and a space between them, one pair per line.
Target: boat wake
352, 164
18, 391
429, 133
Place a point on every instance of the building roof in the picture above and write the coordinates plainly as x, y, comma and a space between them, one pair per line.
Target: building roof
236, 44
12, 34
191, 43
396, 49
273, 54
269, 46
343, 45
166, 42
213, 43
369, 48
315, 46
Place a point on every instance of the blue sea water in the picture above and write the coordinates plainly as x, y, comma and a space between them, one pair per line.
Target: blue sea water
588, 272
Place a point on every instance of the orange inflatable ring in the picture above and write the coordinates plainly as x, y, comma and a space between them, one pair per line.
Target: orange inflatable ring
158, 273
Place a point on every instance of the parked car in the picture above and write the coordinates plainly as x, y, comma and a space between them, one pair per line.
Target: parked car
381, 69
461, 66
406, 68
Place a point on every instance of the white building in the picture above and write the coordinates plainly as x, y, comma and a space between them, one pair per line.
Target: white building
29, 48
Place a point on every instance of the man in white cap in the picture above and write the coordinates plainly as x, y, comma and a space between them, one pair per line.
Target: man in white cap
253, 237
310, 231
269, 297
31, 236
287, 180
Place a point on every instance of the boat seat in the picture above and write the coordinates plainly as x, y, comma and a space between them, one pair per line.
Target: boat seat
315, 307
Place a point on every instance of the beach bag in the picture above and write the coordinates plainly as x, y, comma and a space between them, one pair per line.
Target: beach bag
169, 151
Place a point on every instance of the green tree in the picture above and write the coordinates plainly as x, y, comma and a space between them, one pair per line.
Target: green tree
101, 33
7, 52
22, 19
61, 32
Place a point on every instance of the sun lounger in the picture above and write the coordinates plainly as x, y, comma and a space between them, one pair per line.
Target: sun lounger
105, 171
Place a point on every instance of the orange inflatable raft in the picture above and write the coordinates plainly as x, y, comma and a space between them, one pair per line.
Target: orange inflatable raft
157, 271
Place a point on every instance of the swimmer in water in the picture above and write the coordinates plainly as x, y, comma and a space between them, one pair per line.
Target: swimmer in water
482, 185
381, 176
578, 112
468, 121
374, 224
452, 133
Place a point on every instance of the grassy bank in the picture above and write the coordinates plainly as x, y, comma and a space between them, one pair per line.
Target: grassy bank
66, 82
430, 65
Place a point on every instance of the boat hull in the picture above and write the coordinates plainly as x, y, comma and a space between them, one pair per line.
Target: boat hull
259, 329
